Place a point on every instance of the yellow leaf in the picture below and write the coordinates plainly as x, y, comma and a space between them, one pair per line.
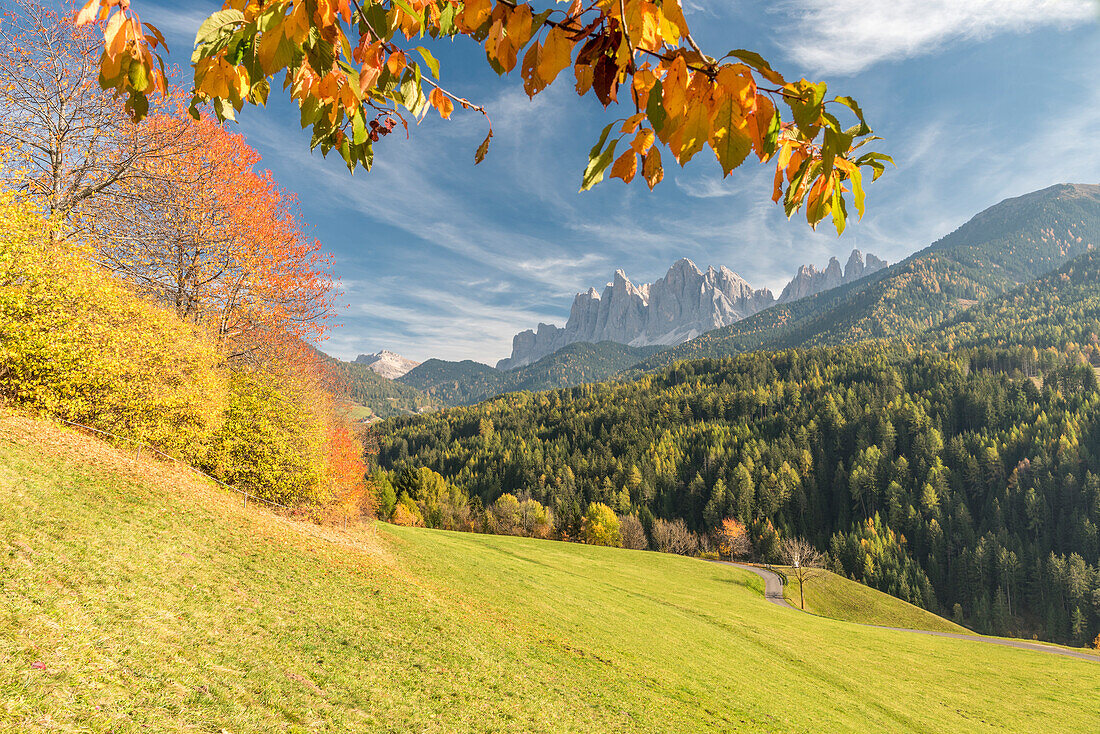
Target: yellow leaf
729, 135
555, 56
674, 15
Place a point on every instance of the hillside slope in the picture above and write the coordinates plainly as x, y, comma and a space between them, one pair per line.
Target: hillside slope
1055, 310
139, 599
468, 382
1008, 244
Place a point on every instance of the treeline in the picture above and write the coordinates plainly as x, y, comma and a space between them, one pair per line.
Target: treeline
157, 284
967, 483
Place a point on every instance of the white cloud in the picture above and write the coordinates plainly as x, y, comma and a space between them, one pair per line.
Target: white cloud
703, 188
847, 36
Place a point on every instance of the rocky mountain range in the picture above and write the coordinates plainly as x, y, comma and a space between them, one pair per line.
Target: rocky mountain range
810, 280
683, 304
387, 363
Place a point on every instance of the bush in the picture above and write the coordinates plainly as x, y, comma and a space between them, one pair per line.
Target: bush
76, 344
270, 444
601, 526
674, 537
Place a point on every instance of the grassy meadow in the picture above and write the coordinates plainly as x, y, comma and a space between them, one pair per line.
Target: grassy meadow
138, 598
833, 596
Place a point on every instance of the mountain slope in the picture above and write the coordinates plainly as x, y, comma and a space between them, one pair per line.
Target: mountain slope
1056, 310
464, 383
138, 599
1004, 246
385, 397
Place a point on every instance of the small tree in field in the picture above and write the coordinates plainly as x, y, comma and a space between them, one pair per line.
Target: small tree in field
733, 539
805, 562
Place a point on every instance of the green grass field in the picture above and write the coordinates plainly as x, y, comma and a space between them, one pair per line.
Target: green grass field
829, 595
137, 599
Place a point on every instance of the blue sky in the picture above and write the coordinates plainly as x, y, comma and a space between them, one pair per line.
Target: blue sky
977, 100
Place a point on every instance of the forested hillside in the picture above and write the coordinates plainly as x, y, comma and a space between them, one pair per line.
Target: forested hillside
1004, 246
467, 382
951, 480
386, 398
1060, 310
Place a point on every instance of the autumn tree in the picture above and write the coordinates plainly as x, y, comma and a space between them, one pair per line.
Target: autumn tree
354, 72
632, 532
218, 241
733, 539
805, 562
63, 140
601, 526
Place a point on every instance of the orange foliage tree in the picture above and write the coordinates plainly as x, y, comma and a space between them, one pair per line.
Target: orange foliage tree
351, 66
219, 242
733, 539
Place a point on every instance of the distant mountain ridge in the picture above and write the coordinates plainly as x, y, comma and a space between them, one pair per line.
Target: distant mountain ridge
468, 382
387, 363
683, 304
1006, 245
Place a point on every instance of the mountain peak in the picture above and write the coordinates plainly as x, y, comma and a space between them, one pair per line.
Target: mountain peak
387, 364
809, 280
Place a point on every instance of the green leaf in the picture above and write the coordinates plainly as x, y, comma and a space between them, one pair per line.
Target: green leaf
595, 151
757, 62
598, 164
655, 111
404, 5
433, 64
854, 107
214, 32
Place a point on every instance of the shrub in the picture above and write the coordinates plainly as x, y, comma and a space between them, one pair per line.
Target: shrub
674, 537
270, 444
76, 344
632, 532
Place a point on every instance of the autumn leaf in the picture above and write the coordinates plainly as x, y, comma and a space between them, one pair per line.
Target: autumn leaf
555, 56
441, 103
625, 166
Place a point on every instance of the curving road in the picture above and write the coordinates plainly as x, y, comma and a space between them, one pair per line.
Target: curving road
773, 592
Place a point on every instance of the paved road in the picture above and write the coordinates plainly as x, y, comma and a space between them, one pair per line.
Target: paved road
773, 592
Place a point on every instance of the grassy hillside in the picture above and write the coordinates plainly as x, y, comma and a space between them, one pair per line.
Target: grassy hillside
835, 597
468, 382
138, 599
1008, 244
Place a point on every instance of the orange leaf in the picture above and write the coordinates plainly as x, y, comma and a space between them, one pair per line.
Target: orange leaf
652, 169
555, 55
396, 62
625, 166
442, 103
